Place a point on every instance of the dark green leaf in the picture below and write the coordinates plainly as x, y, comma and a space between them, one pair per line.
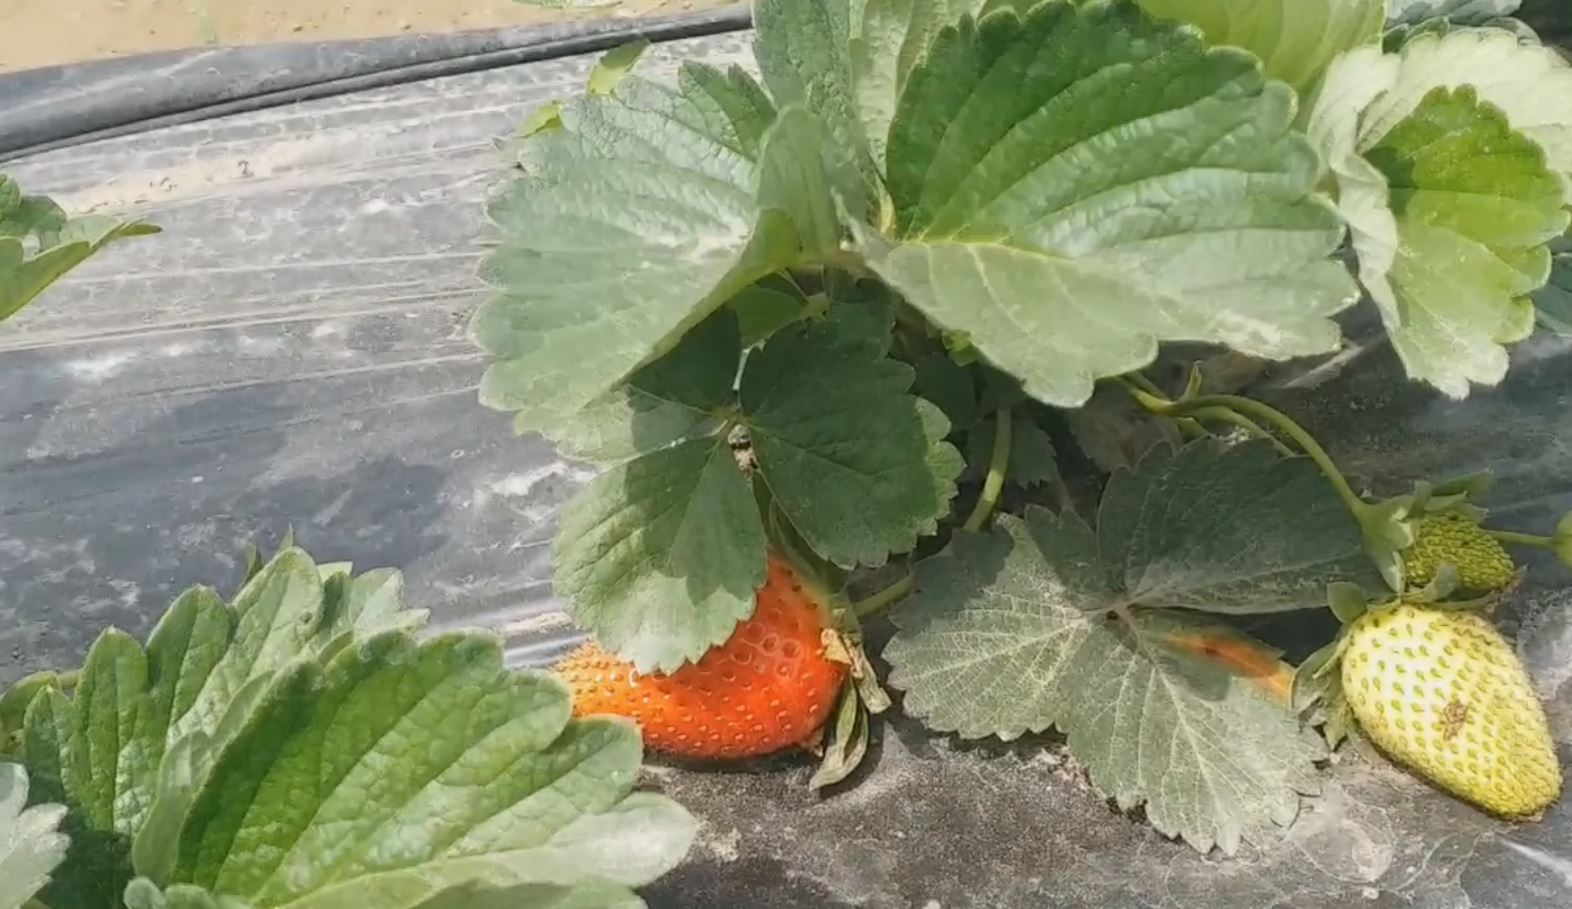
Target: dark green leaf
733, 108
888, 41
1163, 708
400, 770
1231, 530
1025, 156
634, 222
660, 557
767, 306
802, 50
949, 385
848, 453
678, 397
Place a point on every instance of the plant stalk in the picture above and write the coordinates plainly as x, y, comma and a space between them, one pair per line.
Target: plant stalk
998, 467
1224, 415
1265, 413
878, 602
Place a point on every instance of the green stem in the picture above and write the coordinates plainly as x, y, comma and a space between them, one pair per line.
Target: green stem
1265, 413
1146, 385
1523, 539
998, 466
873, 605
1224, 415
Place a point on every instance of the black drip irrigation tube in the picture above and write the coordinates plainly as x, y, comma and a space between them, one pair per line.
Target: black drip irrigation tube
57, 107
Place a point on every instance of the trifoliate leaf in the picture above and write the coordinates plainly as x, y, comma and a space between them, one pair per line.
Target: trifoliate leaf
679, 396
1530, 84
614, 65
1028, 158
801, 48
846, 450
31, 844
638, 218
1009, 633
888, 40
401, 770
660, 557
1553, 302
1295, 39
1450, 210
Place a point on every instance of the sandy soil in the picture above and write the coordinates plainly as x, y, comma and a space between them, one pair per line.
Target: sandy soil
61, 31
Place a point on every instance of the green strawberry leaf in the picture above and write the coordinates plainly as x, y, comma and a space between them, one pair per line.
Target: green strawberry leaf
31, 845
23, 217
771, 304
683, 395
1450, 209
949, 385
616, 64
1233, 530
1010, 633
399, 770
802, 51
13, 708
105, 751
1023, 175
1553, 302
849, 454
37, 246
648, 203
888, 40
660, 557
1295, 39
1530, 84
733, 109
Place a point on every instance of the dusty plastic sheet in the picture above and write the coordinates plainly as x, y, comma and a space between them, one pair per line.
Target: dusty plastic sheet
54, 106
291, 353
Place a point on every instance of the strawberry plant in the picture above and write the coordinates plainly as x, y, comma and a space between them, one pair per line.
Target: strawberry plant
298, 746
39, 243
904, 306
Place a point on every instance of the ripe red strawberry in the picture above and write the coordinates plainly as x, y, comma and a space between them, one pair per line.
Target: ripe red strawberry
769, 687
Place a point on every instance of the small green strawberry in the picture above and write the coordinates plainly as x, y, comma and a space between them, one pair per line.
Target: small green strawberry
1442, 692
1452, 538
